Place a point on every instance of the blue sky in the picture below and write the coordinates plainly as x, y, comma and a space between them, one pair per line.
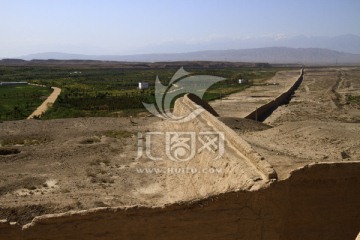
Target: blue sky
126, 27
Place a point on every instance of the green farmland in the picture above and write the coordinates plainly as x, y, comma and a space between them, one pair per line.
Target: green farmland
18, 102
106, 91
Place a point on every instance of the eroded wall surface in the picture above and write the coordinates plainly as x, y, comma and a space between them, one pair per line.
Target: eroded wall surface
319, 201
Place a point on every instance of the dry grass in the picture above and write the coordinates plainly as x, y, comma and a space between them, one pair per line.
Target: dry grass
90, 140
98, 162
23, 141
118, 134
99, 175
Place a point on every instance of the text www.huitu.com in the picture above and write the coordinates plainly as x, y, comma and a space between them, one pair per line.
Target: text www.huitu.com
173, 170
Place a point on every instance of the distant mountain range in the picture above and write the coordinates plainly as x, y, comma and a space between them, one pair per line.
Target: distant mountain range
268, 55
349, 43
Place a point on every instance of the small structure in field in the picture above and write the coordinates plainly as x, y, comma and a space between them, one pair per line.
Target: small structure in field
76, 72
143, 85
243, 81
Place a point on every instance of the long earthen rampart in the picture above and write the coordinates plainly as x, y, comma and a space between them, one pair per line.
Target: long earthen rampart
261, 113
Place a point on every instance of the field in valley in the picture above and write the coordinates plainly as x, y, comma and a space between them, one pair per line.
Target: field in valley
18, 102
110, 90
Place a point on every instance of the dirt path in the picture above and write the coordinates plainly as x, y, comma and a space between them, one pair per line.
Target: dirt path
45, 105
322, 96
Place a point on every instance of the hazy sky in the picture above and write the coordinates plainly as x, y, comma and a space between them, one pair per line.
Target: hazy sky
121, 27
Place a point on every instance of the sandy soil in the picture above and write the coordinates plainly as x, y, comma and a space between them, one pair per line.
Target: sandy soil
318, 124
61, 165
242, 103
322, 97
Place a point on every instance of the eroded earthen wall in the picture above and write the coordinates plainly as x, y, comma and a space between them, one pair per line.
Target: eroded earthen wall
317, 202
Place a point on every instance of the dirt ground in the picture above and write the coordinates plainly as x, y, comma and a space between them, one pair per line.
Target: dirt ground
74, 164
69, 164
318, 125
242, 103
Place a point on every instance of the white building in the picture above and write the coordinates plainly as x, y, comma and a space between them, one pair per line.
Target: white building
143, 85
241, 81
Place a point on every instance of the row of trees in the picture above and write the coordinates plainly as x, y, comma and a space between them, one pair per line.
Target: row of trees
15, 114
